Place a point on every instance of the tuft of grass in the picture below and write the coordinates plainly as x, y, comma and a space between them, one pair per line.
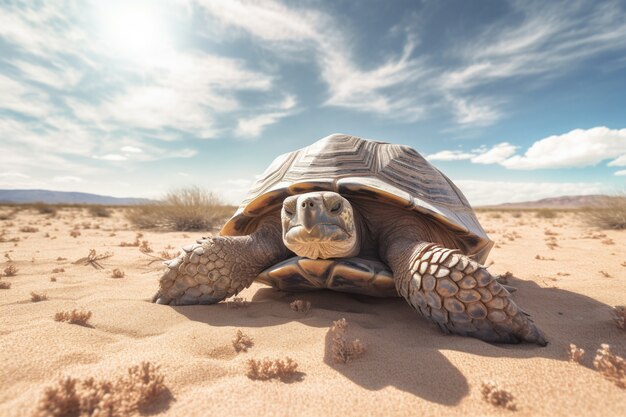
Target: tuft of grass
5, 285
183, 209
272, 369
58, 270
575, 353
619, 316
497, 396
10, 270
117, 273
37, 297
73, 317
43, 208
75, 233
546, 213
610, 213
53, 279
343, 350
300, 306
99, 211
604, 273
93, 259
29, 229
242, 342
611, 366
142, 385
145, 247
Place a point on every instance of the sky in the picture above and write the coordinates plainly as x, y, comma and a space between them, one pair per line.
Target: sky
513, 100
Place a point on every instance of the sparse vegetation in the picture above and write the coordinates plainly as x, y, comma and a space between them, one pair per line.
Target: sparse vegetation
5, 285
73, 317
184, 209
43, 208
117, 273
604, 274
99, 211
28, 229
300, 306
497, 396
575, 353
58, 270
546, 213
344, 351
272, 369
142, 385
145, 247
611, 366
75, 233
242, 342
37, 297
53, 279
610, 213
10, 270
619, 316
93, 259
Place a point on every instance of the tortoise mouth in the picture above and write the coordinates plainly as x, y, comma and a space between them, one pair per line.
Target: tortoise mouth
320, 232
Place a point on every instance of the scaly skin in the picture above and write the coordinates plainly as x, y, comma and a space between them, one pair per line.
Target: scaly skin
458, 294
218, 267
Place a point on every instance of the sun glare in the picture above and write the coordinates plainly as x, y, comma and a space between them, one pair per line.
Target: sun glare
134, 31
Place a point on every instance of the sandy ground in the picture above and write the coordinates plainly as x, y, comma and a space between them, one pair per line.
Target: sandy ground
409, 368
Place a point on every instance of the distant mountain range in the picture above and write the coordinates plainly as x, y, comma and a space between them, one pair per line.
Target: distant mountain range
65, 197
564, 202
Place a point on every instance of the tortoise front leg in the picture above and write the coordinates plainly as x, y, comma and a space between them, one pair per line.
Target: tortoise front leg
458, 294
218, 267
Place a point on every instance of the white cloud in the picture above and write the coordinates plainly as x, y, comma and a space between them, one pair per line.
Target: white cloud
619, 162
621, 172
252, 127
67, 178
131, 149
13, 175
472, 112
577, 148
496, 154
495, 192
111, 157
450, 156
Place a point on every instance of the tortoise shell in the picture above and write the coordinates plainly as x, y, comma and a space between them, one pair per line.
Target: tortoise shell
360, 168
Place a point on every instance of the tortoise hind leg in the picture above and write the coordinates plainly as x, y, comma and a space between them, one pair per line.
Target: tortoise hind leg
460, 295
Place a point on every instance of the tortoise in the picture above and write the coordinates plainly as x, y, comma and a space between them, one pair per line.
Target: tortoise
357, 216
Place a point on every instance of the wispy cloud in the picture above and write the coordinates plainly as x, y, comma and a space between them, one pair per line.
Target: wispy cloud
496, 154
252, 127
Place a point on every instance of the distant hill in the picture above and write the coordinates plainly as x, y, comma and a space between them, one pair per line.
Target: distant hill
564, 202
65, 197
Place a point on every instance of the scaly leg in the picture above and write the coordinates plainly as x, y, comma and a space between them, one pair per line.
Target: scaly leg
218, 267
458, 294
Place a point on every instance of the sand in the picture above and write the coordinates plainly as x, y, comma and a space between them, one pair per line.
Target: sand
409, 368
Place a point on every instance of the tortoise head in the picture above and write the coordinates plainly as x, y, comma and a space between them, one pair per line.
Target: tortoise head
319, 225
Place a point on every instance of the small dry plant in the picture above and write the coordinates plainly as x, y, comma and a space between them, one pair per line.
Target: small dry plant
237, 302
272, 369
575, 353
124, 396
117, 273
58, 270
53, 279
145, 247
300, 306
75, 233
497, 396
604, 274
611, 366
99, 211
344, 351
546, 214
93, 259
73, 317
619, 316
543, 258
5, 285
29, 229
10, 270
242, 342
37, 297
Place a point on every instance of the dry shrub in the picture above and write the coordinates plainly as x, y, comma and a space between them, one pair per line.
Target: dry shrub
543, 258
575, 353
272, 369
99, 211
75, 233
5, 285
184, 209
611, 366
237, 302
145, 247
117, 273
546, 214
300, 306
36, 297
342, 350
73, 317
609, 213
29, 229
619, 316
58, 270
93, 259
60, 258
495, 395
128, 394
10, 270
242, 342
53, 279
45, 209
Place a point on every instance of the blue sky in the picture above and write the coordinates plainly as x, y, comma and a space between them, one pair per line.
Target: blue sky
512, 100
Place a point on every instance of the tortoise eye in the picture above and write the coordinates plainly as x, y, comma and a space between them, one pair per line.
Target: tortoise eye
336, 207
289, 206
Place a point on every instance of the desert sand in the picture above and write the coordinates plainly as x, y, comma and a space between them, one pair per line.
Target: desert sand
409, 367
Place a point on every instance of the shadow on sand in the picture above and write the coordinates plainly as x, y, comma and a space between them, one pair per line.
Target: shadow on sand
385, 324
